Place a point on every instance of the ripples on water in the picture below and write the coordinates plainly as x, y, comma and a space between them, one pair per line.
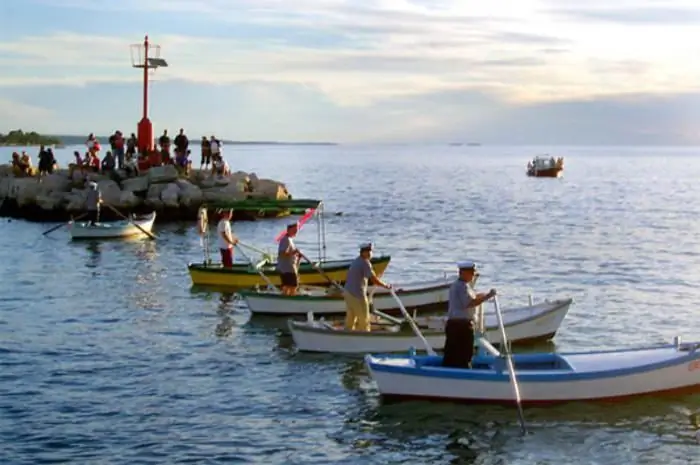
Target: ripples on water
108, 356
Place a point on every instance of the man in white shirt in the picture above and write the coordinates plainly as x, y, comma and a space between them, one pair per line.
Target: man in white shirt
226, 239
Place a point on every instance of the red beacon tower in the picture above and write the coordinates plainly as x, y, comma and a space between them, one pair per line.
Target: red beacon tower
146, 56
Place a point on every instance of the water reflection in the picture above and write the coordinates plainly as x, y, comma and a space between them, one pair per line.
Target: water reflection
94, 254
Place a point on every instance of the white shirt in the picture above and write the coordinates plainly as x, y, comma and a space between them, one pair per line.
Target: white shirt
223, 227
214, 147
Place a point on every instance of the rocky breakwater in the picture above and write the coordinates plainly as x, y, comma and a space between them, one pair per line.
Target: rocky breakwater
62, 195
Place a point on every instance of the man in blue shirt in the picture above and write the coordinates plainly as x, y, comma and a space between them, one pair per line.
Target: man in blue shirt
461, 318
288, 261
356, 300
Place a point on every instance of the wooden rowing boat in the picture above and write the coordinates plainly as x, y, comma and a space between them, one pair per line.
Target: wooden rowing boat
420, 297
543, 378
112, 229
528, 324
245, 276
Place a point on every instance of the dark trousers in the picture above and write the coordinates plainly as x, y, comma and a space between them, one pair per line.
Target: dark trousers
227, 257
459, 344
93, 216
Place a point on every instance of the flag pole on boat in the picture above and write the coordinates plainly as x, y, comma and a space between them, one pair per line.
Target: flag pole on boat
511, 369
203, 228
415, 328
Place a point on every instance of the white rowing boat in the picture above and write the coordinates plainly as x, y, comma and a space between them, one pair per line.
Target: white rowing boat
543, 378
420, 297
112, 229
527, 324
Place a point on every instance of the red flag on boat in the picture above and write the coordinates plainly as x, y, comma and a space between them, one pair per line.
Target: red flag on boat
309, 213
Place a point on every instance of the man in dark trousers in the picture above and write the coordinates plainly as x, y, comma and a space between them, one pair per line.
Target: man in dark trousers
181, 143
93, 201
461, 318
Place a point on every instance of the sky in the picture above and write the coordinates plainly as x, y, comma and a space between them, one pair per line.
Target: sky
360, 71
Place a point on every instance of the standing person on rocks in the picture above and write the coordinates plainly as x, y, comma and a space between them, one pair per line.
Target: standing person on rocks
461, 318
164, 143
131, 145
46, 162
214, 147
356, 300
118, 149
206, 153
181, 143
288, 261
226, 238
93, 201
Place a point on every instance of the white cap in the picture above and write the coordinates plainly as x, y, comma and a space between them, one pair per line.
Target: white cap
466, 265
366, 246
93, 185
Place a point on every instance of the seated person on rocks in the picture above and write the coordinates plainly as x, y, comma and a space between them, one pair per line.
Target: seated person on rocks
108, 163
219, 166
183, 162
27, 162
165, 157
130, 166
94, 162
19, 167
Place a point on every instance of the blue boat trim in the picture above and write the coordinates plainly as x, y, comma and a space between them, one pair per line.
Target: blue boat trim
545, 375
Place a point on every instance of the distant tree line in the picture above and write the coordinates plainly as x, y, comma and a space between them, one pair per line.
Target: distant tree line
21, 138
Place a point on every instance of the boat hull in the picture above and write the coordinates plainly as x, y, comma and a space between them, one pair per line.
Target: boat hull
112, 230
243, 276
546, 173
523, 325
425, 297
592, 376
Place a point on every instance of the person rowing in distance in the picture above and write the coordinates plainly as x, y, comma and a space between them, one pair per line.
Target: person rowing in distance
461, 317
355, 295
288, 261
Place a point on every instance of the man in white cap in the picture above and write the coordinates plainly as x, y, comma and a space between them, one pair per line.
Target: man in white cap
356, 300
461, 318
93, 201
226, 238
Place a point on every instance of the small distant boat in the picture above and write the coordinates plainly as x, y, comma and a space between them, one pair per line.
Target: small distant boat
545, 167
527, 324
113, 229
543, 378
246, 276
421, 297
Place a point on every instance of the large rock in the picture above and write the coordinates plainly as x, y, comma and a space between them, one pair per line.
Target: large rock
76, 199
137, 184
153, 196
221, 194
50, 201
190, 195
271, 189
162, 174
111, 194
25, 191
56, 182
128, 200
170, 195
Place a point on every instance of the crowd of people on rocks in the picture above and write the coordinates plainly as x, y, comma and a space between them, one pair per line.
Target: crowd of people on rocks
124, 154
22, 165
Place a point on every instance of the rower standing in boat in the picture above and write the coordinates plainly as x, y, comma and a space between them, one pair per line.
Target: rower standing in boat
226, 239
288, 261
461, 316
356, 300
93, 201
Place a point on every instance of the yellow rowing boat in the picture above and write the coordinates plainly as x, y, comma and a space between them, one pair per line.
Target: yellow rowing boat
244, 275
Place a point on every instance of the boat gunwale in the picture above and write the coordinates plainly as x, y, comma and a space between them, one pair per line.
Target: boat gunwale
373, 362
245, 268
301, 326
433, 287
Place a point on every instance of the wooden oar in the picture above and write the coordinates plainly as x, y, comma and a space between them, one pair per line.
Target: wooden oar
130, 221
511, 368
63, 224
322, 273
260, 272
428, 347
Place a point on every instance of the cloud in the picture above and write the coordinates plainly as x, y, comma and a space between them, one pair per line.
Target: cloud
634, 16
21, 115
